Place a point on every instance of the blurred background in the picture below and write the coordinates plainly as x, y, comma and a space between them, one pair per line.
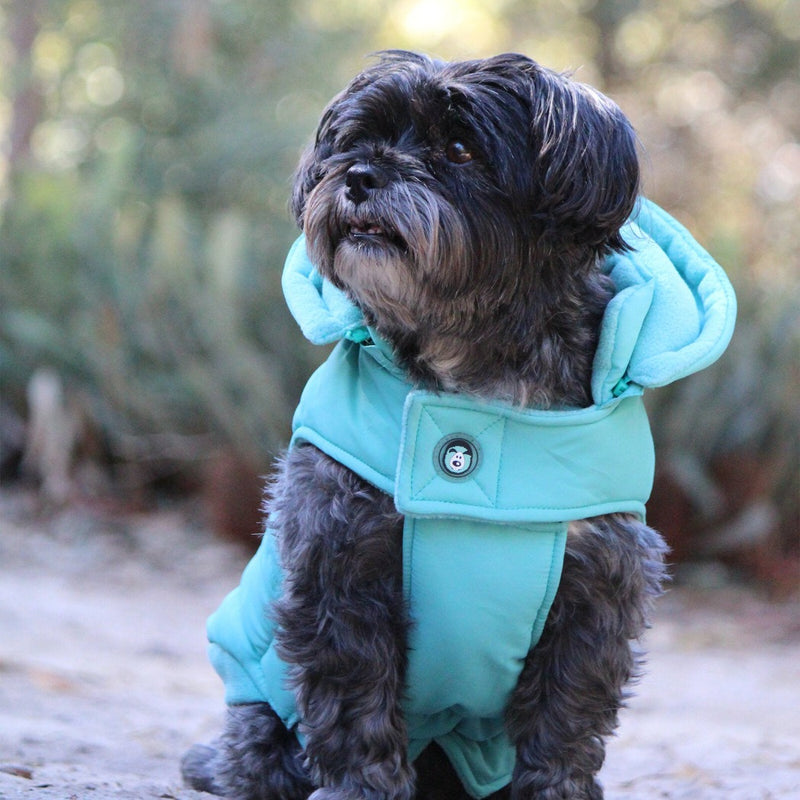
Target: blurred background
146, 356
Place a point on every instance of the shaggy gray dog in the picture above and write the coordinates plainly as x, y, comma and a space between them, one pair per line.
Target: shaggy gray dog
465, 208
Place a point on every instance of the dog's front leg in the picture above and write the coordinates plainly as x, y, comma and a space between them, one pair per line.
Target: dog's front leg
573, 683
342, 627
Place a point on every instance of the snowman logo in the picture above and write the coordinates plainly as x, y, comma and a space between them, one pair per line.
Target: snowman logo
457, 457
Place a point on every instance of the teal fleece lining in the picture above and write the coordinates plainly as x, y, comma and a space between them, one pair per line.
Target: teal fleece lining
674, 311
483, 551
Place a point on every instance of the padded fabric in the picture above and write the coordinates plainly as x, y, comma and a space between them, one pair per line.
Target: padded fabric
487, 490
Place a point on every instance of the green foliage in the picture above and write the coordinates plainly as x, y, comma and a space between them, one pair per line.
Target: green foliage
147, 215
746, 403
150, 149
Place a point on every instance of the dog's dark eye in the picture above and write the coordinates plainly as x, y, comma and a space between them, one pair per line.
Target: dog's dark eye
458, 153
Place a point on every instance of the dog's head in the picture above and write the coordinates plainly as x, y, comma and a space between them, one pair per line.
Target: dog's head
448, 199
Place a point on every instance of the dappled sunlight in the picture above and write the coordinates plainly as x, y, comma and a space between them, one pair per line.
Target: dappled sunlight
471, 27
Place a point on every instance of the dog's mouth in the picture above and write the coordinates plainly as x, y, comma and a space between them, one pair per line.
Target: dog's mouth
366, 230
371, 232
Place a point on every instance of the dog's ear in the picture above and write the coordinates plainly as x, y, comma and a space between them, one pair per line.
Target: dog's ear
587, 168
306, 177
309, 170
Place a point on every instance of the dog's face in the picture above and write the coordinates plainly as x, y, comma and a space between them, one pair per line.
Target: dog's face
439, 193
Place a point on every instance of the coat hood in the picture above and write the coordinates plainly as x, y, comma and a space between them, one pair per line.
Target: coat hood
673, 312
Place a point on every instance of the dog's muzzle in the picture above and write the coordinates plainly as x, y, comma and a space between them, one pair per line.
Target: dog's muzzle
361, 179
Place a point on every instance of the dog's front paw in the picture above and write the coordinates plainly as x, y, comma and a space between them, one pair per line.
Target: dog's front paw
400, 791
327, 793
567, 789
198, 771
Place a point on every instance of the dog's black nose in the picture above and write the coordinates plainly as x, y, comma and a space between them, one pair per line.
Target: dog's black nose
361, 178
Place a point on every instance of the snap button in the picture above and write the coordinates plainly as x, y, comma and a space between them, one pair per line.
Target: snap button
456, 456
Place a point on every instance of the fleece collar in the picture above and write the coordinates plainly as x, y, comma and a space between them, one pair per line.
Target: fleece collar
673, 312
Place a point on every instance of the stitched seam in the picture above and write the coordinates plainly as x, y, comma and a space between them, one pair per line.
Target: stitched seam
499, 420
544, 419
415, 492
416, 495
500, 464
409, 539
603, 504
480, 489
542, 612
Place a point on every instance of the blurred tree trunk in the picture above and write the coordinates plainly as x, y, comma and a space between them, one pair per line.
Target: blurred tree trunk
28, 100
606, 18
192, 38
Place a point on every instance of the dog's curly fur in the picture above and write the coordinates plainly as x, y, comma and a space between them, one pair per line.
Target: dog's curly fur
464, 207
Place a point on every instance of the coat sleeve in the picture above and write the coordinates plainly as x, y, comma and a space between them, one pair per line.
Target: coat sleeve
241, 634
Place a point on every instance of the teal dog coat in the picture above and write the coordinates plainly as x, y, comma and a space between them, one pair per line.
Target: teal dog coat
487, 489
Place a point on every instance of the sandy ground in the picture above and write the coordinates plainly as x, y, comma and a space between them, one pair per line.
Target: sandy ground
104, 681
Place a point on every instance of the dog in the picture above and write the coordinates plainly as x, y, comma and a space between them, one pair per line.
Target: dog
465, 209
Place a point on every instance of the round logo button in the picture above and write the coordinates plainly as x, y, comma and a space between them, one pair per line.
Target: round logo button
457, 456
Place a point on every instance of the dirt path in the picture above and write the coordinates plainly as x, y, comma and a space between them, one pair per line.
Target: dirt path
104, 681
